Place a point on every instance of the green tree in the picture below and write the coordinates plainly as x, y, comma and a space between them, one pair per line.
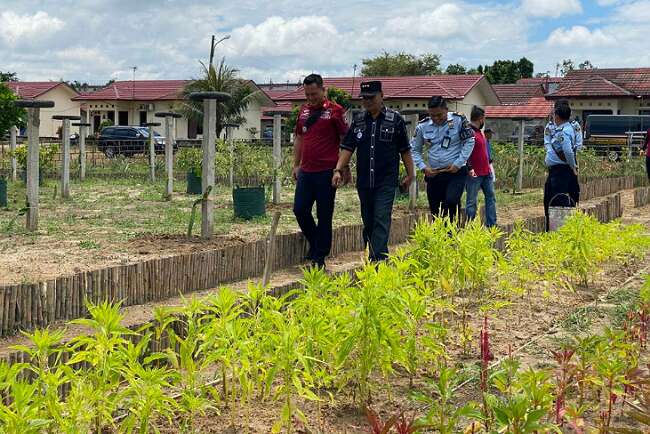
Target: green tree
585, 65
8, 76
10, 115
339, 96
388, 64
223, 78
566, 66
508, 71
455, 69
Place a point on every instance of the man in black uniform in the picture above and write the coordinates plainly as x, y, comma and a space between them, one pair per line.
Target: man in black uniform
379, 135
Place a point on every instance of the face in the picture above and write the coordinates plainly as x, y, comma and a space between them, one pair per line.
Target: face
374, 103
314, 94
438, 115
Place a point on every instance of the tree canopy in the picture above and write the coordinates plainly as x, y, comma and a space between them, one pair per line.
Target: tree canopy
388, 64
10, 115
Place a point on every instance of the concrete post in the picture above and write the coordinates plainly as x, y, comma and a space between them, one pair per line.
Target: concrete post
33, 124
82, 145
231, 150
65, 153
210, 100
169, 150
520, 172
13, 132
277, 156
152, 150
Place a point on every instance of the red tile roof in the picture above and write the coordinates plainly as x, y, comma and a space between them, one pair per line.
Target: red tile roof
517, 93
144, 90
607, 82
540, 80
33, 89
447, 86
284, 107
535, 108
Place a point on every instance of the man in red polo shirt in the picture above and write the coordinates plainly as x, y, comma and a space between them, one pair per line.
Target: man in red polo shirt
319, 129
480, 172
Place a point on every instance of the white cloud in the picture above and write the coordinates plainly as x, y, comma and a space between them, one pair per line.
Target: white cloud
277, 36
551, 8
14, 27
608, 2
636, 12
579, 36
443, 21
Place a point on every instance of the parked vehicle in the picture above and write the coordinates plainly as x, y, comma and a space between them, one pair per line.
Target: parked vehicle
612, 135
128, 141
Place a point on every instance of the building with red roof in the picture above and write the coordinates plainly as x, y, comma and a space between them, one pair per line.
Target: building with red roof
136, 102
411, 93
59, 92
622, 91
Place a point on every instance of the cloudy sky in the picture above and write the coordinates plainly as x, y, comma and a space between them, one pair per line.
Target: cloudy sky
98, 40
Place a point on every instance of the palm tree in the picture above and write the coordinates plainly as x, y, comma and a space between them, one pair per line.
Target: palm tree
221, 79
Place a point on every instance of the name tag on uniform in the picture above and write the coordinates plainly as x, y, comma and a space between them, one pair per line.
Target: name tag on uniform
446, 141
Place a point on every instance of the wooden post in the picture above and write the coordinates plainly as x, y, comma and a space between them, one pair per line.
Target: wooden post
270, 250
277, 156
210, 100
152, 150
169, 150
65, 153
82, 145
33, 124
520, 171
13, 132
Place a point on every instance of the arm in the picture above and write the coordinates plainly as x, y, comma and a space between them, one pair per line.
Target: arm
344, 160
567, 148
417, 145
297, 155
407, 159
467, 146
348, 146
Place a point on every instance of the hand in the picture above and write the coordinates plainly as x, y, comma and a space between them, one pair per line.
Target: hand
294, 172
406, 183
337, 179
346, 175
452, 169
429, 172
575, 171
472, 173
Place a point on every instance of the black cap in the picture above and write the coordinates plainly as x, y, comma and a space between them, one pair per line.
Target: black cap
370, 88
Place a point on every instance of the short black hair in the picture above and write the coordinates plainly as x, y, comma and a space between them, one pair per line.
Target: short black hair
313, 79
476, 114
488, 130
562, 101
437, 102
563, 112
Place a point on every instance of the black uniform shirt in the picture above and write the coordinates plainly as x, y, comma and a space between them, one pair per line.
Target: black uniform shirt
379, 143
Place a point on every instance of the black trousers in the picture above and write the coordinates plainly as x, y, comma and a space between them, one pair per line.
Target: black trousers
315, 187
560, 188
444, 192
376, 213
647, 166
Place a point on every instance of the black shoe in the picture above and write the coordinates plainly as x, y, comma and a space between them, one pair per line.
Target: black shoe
309, 256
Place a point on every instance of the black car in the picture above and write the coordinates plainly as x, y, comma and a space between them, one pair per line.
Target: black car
128, 141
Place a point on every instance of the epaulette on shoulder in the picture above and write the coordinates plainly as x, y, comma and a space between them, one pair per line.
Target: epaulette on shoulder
427, 119
458, 115
390, 114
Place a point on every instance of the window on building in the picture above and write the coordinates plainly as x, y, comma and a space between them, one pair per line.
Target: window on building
123, 118
143, 117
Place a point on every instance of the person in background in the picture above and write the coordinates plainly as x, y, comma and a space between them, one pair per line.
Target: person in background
549, 131
561, 163
450, 140
479, 176
488, 138
378, 134
319, 128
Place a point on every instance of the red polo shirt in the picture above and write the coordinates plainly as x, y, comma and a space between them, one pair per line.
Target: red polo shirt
479, 158
320, 142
